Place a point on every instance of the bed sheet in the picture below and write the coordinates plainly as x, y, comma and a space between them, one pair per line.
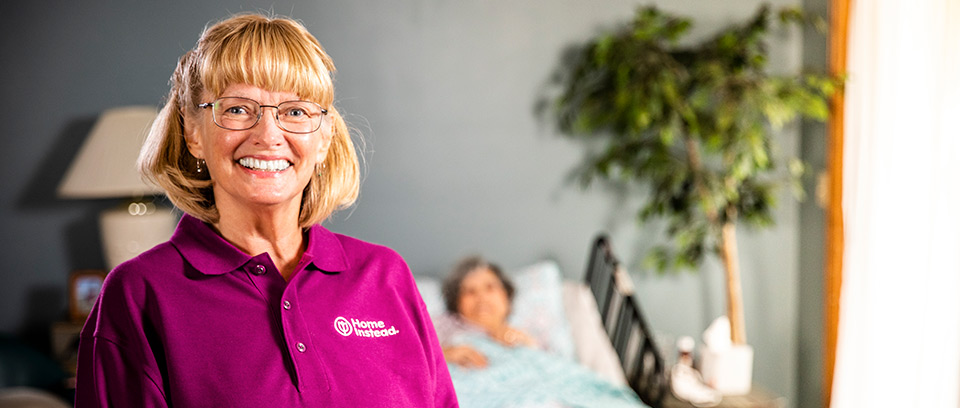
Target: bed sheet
526, 377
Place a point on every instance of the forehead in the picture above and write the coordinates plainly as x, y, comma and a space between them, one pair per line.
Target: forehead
258, 94
480, 276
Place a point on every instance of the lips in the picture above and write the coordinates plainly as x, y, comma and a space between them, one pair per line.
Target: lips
264, 165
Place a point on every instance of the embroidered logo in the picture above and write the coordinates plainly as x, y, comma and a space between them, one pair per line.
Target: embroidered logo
343, 326
363, 328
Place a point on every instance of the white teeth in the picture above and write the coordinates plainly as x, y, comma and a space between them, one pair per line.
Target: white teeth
264, 165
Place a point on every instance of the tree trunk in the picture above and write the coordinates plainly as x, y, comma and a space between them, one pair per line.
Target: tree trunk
731, 263
728, 248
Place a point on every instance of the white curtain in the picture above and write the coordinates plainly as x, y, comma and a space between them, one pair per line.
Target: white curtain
899, 330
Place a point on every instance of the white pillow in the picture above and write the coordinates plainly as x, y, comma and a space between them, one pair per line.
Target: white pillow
593, 347
430, 291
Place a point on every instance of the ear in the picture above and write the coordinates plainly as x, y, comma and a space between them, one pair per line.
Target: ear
326, 138
191, 133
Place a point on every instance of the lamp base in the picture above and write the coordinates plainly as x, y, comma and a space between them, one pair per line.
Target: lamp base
136, 227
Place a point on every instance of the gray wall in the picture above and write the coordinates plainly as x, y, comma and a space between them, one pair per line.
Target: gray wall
456, 162
812, 229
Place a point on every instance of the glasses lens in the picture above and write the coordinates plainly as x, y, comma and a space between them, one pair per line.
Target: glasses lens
236, 113
300, 116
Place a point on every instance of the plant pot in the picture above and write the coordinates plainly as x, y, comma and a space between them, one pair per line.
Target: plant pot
728, 370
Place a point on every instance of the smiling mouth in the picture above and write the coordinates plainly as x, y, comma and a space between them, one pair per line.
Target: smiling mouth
263, 165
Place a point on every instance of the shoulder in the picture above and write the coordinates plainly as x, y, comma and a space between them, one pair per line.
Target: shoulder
127, 291
161, 258
339, 252
357, 248
448, 326
376, 261
132, 282
370, 263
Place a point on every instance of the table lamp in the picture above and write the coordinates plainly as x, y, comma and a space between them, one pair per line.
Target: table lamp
106, 167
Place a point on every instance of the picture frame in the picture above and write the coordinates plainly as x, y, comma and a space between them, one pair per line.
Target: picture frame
83, 291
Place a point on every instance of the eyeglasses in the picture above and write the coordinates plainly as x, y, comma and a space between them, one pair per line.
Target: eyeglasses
236, 113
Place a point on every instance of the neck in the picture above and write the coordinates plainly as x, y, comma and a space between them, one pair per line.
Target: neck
258, 230
490, 326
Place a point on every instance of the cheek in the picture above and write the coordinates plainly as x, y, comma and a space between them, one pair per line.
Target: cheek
502, 301
466, 302
308, 148
222, 147
502, 297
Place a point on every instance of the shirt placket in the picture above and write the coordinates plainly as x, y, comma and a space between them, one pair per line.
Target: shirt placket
304, 351
275, 290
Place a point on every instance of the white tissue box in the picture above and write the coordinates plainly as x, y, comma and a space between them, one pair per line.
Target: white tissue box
729, 370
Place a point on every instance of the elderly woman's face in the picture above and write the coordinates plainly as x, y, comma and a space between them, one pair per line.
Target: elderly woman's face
483, 299
260, 166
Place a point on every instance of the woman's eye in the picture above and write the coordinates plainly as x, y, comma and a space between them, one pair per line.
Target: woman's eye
296, 113
236, 110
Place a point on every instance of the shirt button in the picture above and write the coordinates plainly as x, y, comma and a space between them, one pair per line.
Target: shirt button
301, 347
286, 304
259, 270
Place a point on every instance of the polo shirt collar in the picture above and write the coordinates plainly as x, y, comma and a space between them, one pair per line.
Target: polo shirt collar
210, 254
324, 250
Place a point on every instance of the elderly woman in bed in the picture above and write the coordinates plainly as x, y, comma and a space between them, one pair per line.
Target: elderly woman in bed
478, 298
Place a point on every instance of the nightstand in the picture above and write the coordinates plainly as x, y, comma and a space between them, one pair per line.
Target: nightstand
65, 338
757, 398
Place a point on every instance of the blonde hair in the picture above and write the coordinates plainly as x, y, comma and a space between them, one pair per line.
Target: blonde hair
273, 53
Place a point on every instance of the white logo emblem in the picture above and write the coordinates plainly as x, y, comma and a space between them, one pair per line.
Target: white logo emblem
343, 326
363, 328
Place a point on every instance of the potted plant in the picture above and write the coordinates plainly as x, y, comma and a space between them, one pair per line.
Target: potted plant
696, 124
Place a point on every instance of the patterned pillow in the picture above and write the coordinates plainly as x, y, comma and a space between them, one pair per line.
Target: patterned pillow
430, 291
538, 307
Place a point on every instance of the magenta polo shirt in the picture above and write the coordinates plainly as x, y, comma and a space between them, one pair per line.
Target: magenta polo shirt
194, 322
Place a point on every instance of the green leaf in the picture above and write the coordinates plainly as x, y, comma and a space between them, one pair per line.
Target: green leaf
796, 167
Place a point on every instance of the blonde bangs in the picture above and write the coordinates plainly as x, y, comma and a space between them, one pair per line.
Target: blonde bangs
270, 54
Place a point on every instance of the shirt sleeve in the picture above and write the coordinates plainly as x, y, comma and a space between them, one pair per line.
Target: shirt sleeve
115, 364
445, 394
107, 376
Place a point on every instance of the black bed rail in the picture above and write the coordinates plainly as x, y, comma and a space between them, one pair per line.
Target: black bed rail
623, 321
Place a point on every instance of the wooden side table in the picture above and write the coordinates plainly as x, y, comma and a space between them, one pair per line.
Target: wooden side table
757, 398
65, 338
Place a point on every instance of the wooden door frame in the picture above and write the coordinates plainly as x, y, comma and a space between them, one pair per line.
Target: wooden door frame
833, 256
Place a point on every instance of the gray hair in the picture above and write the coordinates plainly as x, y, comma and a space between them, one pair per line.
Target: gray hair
451, 285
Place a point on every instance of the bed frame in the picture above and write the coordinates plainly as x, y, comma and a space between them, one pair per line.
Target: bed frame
623, 321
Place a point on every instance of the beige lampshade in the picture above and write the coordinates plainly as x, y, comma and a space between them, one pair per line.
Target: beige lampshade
106, 166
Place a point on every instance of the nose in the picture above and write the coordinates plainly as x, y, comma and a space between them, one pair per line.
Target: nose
268, 130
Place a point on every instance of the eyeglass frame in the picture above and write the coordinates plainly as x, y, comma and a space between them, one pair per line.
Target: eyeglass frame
276, 113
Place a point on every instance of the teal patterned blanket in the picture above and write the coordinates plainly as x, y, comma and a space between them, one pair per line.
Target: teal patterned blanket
524, 377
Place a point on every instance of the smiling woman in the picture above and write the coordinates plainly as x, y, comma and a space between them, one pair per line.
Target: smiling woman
252, 302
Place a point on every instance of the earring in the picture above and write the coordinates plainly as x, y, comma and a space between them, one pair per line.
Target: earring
200, 164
